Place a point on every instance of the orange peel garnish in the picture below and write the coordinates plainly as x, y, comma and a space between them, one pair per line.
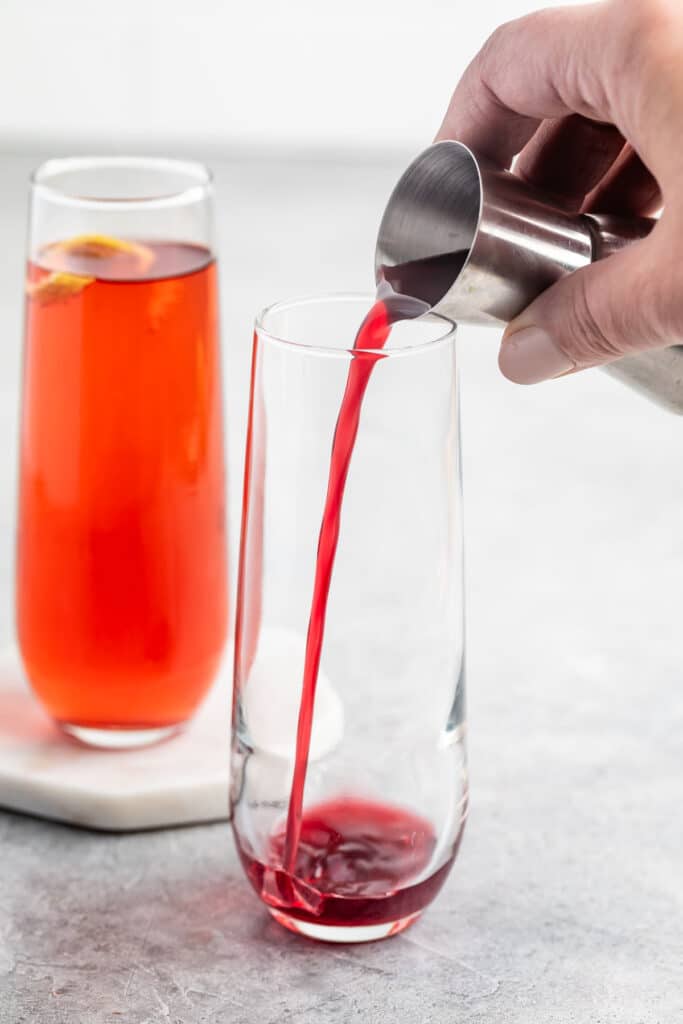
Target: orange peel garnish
101, 247
57, 287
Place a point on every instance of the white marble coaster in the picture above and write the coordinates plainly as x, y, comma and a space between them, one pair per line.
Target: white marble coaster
181, 781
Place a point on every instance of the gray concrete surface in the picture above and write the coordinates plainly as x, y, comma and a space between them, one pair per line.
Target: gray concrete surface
566, 902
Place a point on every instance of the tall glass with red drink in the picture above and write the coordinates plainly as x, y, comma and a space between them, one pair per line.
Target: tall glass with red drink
121, 568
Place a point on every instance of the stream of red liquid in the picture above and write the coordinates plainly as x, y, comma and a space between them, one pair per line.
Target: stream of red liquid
371, 337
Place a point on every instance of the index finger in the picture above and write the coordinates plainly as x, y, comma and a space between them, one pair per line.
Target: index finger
546, 65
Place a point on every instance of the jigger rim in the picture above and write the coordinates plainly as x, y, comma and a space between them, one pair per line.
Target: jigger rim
476, 164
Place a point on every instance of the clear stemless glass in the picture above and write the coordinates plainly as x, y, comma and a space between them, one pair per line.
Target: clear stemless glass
121, 567
385, 792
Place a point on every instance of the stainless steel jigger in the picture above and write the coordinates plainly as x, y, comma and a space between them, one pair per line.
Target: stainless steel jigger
476, 244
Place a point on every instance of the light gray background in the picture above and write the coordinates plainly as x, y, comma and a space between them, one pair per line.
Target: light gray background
353, 75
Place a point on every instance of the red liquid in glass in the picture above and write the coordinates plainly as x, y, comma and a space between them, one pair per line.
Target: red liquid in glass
350, 861
354, 864
121, 574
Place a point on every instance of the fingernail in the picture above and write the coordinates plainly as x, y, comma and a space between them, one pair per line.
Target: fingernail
530, 355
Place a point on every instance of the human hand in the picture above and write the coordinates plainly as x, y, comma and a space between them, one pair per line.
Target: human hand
590, 101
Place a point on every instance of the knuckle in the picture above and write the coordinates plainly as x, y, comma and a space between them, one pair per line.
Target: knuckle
648, 15
481, 81
642, 44
494, 56
488, 59
647, 25
497, 38
566, 78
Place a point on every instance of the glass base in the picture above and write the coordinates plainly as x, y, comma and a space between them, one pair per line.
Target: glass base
343, 933
119, 739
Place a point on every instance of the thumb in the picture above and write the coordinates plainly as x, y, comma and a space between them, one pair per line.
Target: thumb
616, 307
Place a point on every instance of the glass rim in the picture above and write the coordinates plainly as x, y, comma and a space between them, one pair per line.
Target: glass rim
199, 181
450, 327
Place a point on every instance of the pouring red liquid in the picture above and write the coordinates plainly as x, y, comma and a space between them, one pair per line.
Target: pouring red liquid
350, 861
